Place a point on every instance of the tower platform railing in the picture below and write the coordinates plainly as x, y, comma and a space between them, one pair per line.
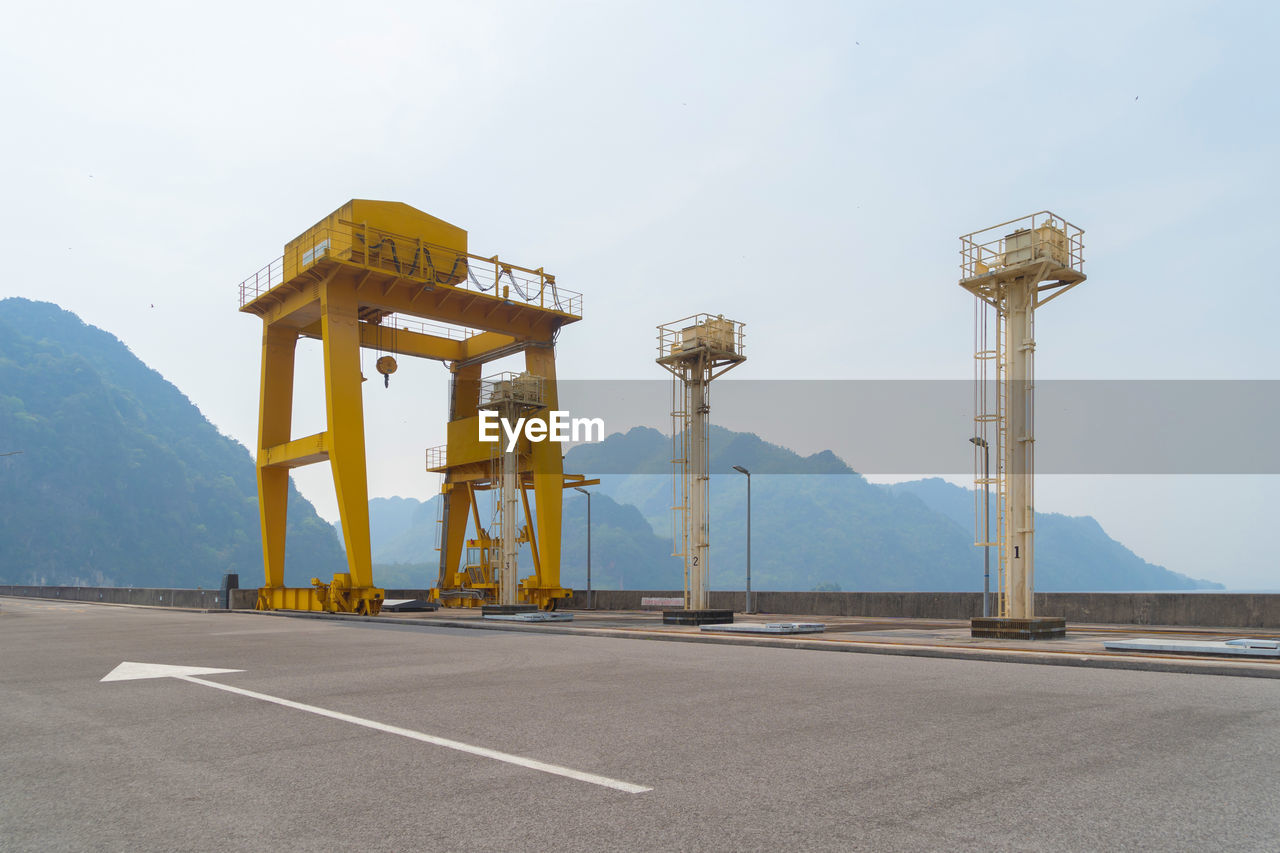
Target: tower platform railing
711, 331
1039, 236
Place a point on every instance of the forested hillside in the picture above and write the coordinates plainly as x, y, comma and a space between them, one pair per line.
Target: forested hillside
121, 480
1072, 552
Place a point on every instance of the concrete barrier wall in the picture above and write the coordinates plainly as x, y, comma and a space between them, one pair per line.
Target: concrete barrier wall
1192, 609
915, 605
206, 599
1203, 609
619, 599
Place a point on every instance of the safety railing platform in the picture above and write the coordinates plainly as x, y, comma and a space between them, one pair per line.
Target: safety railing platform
412, 259
1039, 237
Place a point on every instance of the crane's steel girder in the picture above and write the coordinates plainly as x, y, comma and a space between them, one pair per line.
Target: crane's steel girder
336, 283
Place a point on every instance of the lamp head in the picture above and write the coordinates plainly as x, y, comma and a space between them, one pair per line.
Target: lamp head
979, 441
741, 470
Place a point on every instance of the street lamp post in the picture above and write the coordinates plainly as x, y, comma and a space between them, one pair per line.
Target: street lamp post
588, 494
986, 523
742, 470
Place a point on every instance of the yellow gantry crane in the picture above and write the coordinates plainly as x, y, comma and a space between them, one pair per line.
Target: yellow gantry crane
385, 276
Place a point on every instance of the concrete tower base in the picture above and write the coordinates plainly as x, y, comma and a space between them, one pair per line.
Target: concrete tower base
1036, 628
697, 617
507, 609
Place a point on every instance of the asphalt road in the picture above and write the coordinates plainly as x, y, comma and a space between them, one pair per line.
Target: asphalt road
744, 748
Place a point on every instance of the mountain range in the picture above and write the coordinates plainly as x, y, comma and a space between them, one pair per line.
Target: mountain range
815, 524
120, 480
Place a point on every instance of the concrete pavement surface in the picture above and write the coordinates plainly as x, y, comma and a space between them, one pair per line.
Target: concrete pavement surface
744, 747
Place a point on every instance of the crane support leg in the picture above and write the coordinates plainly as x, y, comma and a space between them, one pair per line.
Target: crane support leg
457, 510
342, 444
464, 398
275, 416
345, 409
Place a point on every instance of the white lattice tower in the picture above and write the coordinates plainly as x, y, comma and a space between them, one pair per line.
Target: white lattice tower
511, 396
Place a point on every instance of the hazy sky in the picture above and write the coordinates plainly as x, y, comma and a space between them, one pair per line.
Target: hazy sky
803, 167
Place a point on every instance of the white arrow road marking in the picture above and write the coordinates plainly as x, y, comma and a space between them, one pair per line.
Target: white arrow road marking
129, 671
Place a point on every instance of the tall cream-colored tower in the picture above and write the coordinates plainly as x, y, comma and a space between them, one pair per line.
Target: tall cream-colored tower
695, 350
1012, 269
